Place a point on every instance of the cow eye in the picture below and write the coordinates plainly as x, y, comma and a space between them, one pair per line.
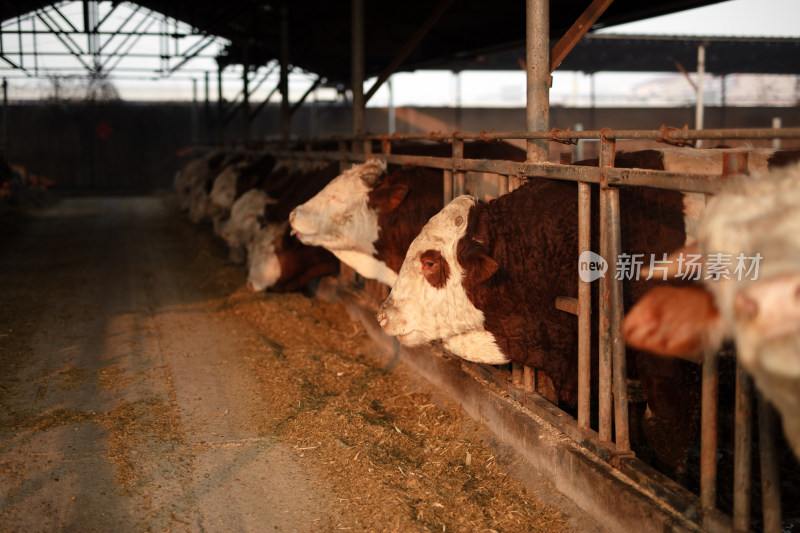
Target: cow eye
430, 264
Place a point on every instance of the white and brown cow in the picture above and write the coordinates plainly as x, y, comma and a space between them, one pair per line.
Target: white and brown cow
759, 311
276, 259
369, 215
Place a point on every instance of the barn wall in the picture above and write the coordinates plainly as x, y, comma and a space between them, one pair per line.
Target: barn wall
137, 146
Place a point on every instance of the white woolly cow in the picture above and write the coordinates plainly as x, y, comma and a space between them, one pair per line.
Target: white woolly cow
755, 217
243, 223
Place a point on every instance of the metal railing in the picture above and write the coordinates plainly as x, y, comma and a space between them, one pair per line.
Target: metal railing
612, 373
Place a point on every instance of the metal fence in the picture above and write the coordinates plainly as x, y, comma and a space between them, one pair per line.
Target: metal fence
612, 405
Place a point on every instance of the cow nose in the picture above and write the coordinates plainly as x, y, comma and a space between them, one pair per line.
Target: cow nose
292, 215
382, 318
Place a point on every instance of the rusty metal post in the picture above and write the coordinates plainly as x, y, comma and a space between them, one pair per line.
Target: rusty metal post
708, 433
584, 310
502, 185
743, 436
448, 186
459, 178
605, 316
516, 374
357, 64
770, 477
619, 364
537, 55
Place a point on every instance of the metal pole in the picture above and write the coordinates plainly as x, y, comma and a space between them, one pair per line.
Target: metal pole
538, 76
391, 110
619, 365
701, 73
4, 145
584, 310
194, 113
207, 105
357, 64
708, 433
284, 77
246, 95
605, 316
770, 477
220, 122
743, 436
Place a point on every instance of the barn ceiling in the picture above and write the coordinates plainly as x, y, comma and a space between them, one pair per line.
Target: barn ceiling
319, 30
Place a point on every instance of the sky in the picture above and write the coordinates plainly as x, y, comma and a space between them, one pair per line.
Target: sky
778, 18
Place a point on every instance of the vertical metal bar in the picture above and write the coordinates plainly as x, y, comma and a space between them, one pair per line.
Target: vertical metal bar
194, 113
605, 325
529, 379
619, 364
448, 186
701, 73
220, 121
708, 433
743, 436
459, 179
357, 64
284, 76
246, 93
584, 310
770, 478
207, 106
516, 374
502, 185
537, 31
4, 146
390, 111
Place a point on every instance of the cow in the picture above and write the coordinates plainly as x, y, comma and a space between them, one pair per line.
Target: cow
756, 220
243, 223
281, 263
369, 214
196, 171
484, 276
277, 260
235, 180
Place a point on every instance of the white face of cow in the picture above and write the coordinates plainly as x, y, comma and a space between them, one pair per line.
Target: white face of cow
428, 300
224, 189
243, 222
760, 216
338, 217
264, 268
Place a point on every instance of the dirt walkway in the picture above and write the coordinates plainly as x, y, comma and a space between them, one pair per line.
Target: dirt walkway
141, 389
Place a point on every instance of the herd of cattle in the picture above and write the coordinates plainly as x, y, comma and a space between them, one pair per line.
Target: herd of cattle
483, 277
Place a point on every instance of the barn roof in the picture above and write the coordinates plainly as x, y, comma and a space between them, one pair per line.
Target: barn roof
319, 31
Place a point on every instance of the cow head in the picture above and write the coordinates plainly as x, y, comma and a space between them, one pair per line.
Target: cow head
338, 217
264, 267
224, 189
759, 216
428, 301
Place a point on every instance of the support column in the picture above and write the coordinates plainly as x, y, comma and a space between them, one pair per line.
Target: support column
357, 64
538, 76
284, 79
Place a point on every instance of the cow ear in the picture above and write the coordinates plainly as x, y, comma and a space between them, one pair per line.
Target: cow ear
388, 198
477, 262
371, 175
